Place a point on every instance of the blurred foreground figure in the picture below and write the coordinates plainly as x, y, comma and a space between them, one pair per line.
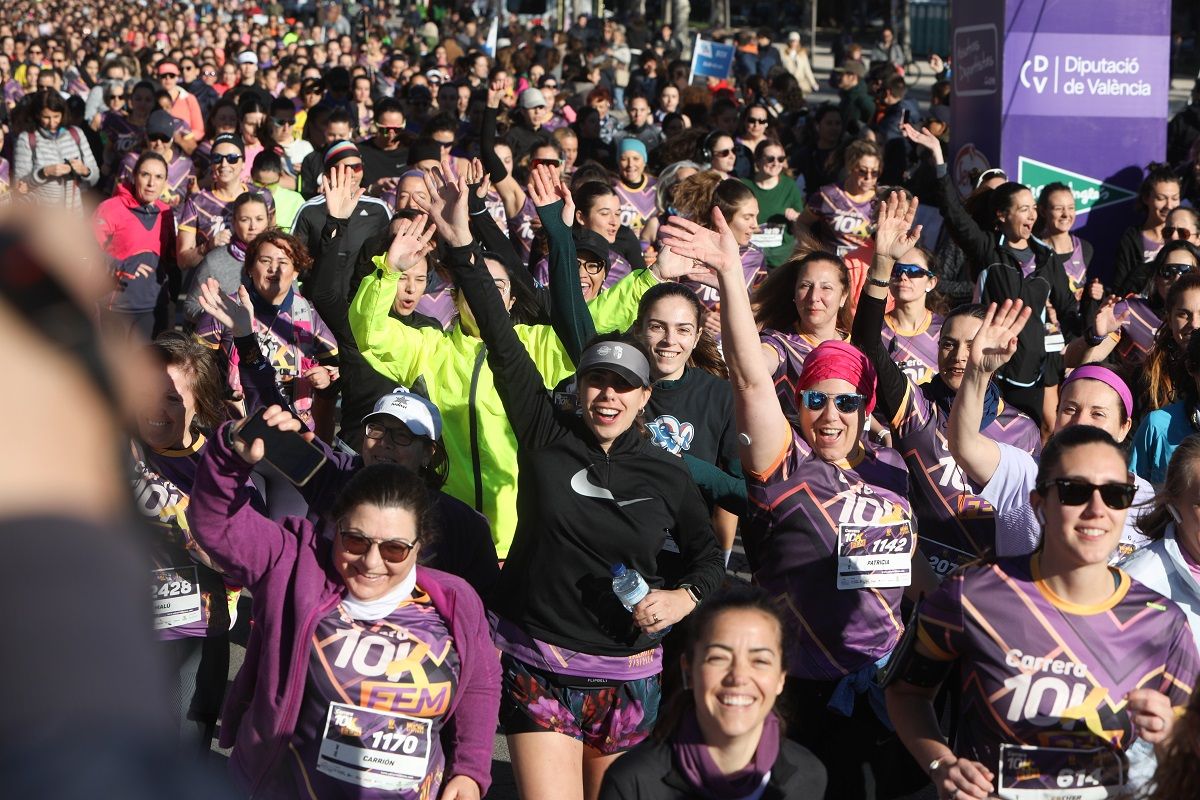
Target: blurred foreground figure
83, 700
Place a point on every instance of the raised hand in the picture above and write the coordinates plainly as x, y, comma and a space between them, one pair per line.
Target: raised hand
996, 341
716, 248
546, 187
237, 316
670, 266
410, 243
495, 91
1107, 320
894, 232
341, 196
925, 139
447, 205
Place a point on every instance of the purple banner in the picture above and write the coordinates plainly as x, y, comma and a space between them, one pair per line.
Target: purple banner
1069, 75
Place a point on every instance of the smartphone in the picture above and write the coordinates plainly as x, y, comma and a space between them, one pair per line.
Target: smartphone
286, 451
904, 116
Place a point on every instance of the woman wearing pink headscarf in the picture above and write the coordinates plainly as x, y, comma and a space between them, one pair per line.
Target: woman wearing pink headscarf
831, 530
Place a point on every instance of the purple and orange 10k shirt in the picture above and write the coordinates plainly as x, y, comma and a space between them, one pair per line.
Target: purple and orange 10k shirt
915, 352
374, 703
1044, 680
834, 542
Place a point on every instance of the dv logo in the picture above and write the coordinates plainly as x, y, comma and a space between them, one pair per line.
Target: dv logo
1039, 64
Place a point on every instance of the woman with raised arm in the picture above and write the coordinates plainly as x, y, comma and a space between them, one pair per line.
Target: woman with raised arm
1014, 265
831, 530
581, 676
956, 524
478, 436
1062, 694
1091, 395
366, 672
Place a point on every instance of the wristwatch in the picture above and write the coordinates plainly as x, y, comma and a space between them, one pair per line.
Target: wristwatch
692, 592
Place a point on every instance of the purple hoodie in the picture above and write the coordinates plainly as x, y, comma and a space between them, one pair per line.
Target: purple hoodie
288, 571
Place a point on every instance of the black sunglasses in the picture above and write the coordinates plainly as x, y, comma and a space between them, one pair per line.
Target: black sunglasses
756, 120
1072, 492
728, 151
1169, 271
911, 270
228, 158
158, 137
845, 403
399, 436
1171, 231
392, 551
591, 267
281, 121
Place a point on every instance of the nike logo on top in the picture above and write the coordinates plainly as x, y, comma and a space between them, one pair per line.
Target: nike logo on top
582, 486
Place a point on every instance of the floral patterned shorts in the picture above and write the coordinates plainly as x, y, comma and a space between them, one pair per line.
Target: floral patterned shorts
610, 718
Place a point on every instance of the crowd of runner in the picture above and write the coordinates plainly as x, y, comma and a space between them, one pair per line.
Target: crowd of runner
447, 331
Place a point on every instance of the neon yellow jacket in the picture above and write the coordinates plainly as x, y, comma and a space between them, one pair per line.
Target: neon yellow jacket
449, 361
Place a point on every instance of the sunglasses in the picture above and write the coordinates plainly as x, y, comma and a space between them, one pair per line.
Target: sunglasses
1174, 270
1071, 492
399, 436
774, 159
728, 151
756, 120
116, 97
444, 145
392, 551
394, 130
283, 121
228, 158
591, 267
158, 137
1183, 233
910, 270
845, 403
867, 173
171, 75
352, 167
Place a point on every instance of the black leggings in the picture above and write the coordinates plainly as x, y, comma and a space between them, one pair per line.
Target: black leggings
202, 670
850, 747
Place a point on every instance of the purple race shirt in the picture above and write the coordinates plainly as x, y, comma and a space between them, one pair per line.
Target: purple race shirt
916, 351
1150, 248
834, 542
179, 174
521, 228
374, 704
5, 180
847, 223
121, 135
1014, 428
189, 598
1043, 680
637, 205
206, 214
1074, 265
1139, 328
439, 305
292, 339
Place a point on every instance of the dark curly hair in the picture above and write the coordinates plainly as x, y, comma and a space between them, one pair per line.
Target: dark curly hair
297, 251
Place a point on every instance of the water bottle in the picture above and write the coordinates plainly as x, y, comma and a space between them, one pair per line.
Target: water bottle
630, 587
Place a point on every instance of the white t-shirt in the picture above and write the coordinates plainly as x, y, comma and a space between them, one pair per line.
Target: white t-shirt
1017, 529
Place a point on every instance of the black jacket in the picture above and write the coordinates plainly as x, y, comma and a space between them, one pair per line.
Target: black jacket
1131, 272
1005, 280
581, 509
648, 772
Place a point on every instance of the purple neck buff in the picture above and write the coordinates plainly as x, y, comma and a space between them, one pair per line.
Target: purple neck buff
697, 766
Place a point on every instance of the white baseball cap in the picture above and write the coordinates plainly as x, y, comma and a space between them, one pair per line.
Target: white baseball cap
421, 416
247, 57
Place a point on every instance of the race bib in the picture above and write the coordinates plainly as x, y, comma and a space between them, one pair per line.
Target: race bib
374, 749
768, 236
176, 595
1054, 342
943, 558
875, 556
1059, 773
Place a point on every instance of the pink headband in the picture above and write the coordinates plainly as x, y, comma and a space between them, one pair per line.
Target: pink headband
1108, 378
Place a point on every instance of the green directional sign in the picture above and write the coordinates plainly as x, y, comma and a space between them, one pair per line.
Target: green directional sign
1090, 193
